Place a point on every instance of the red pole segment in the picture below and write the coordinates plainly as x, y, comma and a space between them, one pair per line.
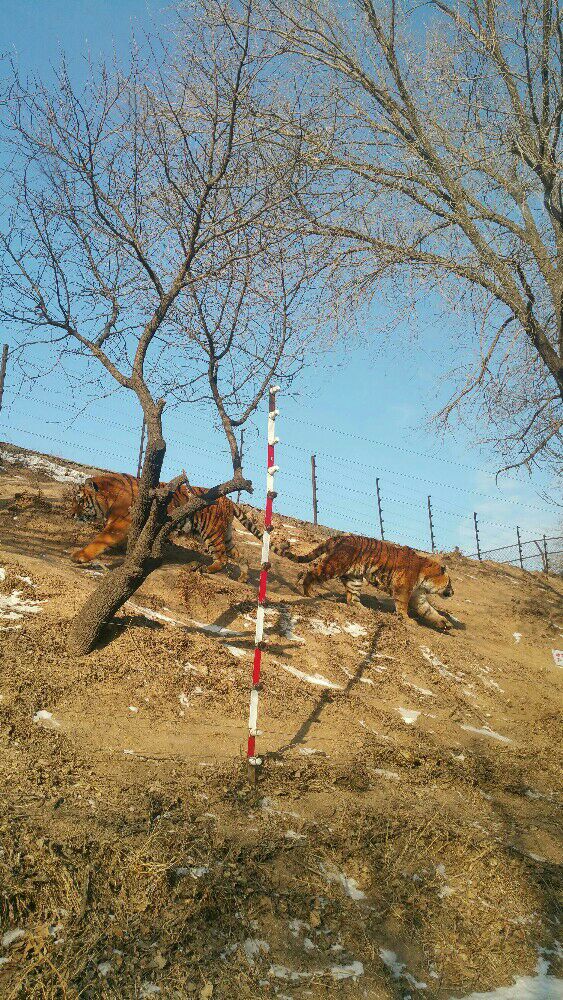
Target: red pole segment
253, 760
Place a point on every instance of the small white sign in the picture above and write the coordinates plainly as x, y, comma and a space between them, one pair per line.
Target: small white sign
558, 657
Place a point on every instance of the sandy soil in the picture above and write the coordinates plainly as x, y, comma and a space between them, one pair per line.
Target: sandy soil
403, 839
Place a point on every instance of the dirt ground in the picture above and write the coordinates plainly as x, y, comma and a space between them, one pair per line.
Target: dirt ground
403, 840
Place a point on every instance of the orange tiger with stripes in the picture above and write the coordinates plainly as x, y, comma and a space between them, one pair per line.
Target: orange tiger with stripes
398, 569
110, 497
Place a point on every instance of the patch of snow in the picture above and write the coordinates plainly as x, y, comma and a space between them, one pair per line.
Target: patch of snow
104, 968
308, 944
542, 986
352, 971
11, 936
60, 473
148, 989
184, 700
254, 948
308, 751
46, 719
154, 616
433, 660
397, 968
2, 574
293, 835
352, 628
24, 579
517, 636
324, 628
213, 629
415, 687
408, 715
349, 885
235, 651
531, 793
282, 972
13, 608
297, 926
557, 657
316, 679
445, 890
362, 680
486, 731
372, 731
199, 871
392, 775
268, 806
133, 708
9, 628
189, 668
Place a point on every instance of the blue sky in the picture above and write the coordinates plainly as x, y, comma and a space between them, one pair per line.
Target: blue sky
364, 410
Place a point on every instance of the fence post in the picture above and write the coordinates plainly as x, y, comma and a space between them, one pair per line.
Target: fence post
519, 547
3, 364
431, 525
545, 559
254, 762
379, 509
240, 454
140, 464
314, 482
477, 536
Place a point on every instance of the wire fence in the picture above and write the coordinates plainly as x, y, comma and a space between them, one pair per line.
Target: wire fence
423, 508
539, 554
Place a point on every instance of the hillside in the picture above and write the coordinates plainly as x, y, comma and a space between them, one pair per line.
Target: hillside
403, 840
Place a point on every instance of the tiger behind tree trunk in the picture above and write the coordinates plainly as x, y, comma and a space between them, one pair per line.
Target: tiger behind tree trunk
109, 497
398, 569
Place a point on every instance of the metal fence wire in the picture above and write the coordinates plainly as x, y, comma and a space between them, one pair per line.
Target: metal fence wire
541, 554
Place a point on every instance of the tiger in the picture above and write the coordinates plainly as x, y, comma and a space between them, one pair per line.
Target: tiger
398, 569
110, 496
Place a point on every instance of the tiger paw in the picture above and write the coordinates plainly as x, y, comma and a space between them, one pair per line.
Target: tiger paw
444, 625
79, 556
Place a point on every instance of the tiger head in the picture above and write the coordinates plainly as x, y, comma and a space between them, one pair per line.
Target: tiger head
435, 579
84, 505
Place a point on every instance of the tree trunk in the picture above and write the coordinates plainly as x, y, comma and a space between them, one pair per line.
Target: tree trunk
147, 519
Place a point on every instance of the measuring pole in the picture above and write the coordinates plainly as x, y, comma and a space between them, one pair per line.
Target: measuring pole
3, 364
379, 509
240, 455
254, 762
519, 546
140, 465
545, 559
477, 536
431, 525
314, 482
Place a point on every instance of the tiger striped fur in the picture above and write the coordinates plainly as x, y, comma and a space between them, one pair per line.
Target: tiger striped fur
109, 497
398, 569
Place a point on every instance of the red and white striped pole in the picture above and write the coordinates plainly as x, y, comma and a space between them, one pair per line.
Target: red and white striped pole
253, 761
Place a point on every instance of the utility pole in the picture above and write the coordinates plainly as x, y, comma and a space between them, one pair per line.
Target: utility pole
477, 536
519, 547
314, 482
431, 525
379, 509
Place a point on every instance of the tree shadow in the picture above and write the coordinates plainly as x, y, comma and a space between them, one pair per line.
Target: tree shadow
327, 697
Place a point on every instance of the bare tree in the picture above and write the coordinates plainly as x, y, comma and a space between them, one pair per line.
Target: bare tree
433, 138
126, 205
